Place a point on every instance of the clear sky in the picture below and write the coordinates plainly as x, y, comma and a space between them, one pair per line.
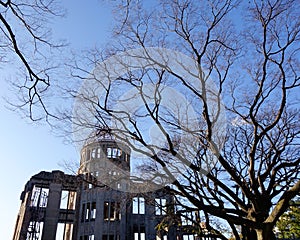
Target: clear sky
27, 148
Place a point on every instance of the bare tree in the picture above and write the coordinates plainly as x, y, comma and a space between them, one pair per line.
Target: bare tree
225, 126
25, 41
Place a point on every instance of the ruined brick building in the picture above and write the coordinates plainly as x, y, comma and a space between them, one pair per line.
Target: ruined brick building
55, 205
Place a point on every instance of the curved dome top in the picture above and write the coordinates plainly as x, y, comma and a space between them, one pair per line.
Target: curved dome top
99, 135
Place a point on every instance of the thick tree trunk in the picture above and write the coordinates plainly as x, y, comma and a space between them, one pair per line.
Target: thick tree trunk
248, 234
265, 233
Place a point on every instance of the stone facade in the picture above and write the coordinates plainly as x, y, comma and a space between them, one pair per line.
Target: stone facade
96, 204
42, 206
93, 205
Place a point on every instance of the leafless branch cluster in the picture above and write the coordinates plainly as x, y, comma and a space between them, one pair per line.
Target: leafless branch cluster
24, 35
255, 71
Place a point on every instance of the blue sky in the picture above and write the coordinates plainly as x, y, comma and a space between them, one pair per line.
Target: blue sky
27, 148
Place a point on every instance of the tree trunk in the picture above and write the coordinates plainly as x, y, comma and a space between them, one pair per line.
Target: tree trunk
248, 234
266, 233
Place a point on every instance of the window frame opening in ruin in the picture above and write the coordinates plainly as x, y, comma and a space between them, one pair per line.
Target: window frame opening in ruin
68, 200
111, 211
160, 206
139, 232
138, 205
39, 197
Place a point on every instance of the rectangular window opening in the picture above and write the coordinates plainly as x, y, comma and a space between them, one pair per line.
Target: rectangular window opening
93, 153
60, 231
160, 206
64, 199
39, 197
188, 237
87, 212
113, 152
98, 152
138, 205
93, 211
68, 231
111, 211
139, 232
35, 230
